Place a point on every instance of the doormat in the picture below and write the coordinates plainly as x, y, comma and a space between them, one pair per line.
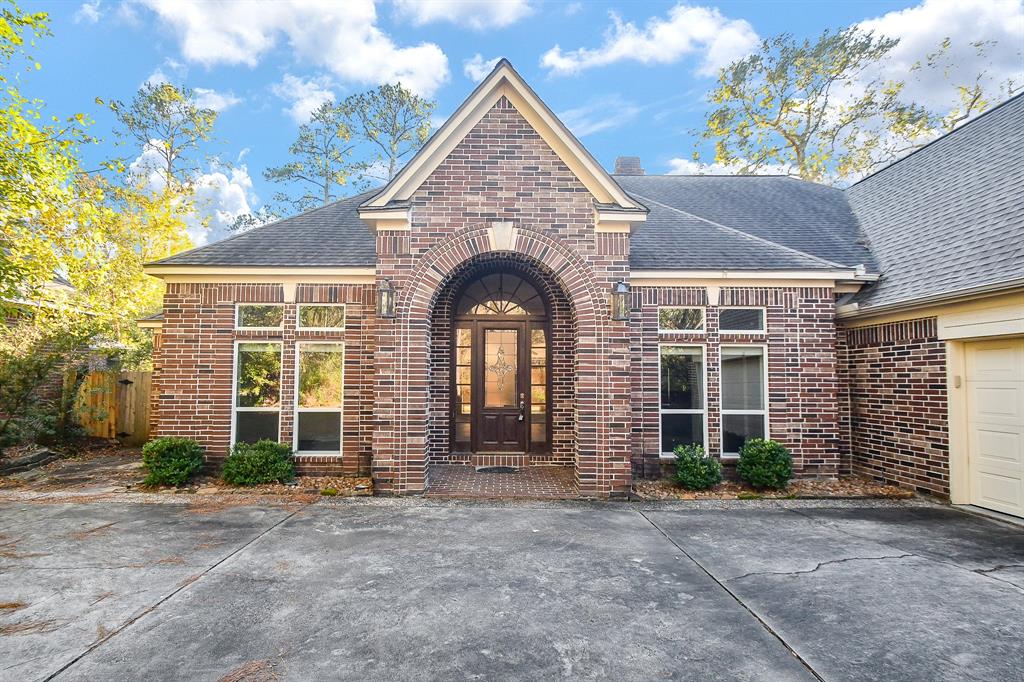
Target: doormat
497, 470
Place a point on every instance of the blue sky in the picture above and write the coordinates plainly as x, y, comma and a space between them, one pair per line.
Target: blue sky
627, 77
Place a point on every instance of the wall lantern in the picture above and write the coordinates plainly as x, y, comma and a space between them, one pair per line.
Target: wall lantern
620, 301
386, 300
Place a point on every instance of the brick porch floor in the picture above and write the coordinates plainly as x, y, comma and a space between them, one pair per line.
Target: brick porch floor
532, 482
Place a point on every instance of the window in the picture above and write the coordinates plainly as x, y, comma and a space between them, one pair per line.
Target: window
501, 294
682, 396
319, 397
257, 404
681, 319
463, 387
259, 316
744, 413
321, 316
741, 320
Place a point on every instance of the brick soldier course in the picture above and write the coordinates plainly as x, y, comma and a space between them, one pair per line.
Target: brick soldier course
504, 189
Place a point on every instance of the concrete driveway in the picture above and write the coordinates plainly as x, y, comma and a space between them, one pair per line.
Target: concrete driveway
412, 589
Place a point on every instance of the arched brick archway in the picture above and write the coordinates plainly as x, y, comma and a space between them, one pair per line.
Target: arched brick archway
403, 358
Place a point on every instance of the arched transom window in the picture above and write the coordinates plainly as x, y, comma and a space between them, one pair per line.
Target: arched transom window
501, 294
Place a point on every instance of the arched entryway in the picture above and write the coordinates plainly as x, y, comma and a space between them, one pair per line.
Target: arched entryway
502, 367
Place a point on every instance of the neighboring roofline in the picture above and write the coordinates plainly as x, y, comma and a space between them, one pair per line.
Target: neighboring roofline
742, 233
854, 310
505, 81
939, 138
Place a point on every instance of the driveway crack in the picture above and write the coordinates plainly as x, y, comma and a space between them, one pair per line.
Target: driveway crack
149, 609
822, 563
736, 597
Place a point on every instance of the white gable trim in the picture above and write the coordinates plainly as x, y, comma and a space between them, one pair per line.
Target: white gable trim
503, 82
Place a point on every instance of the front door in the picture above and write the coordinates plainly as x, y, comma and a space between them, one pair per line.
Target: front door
502, 407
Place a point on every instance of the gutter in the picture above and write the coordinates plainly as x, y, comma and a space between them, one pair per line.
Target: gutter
854, 310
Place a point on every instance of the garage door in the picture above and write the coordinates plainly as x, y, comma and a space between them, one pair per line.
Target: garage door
995, 424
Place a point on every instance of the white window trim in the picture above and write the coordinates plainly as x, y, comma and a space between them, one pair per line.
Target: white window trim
238, 318
703, 320
721, 393
704, 378
340, 410
764, 320
235, 409
298, 317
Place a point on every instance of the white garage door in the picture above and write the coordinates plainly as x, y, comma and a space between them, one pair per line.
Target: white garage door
995, 424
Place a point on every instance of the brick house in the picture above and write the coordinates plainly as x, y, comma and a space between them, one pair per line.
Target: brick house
505, 300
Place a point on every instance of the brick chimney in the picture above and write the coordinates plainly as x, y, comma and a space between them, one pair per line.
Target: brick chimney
628, 165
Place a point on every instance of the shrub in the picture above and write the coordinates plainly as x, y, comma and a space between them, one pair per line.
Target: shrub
264, 461
765, 464
695, 470
171, 461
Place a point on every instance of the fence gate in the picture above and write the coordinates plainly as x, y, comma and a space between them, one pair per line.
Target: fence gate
116, 405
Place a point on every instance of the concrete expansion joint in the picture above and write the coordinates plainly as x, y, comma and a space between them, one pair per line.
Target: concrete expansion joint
823, 563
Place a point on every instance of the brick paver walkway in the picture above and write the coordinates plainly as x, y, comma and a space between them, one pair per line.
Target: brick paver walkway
533, 482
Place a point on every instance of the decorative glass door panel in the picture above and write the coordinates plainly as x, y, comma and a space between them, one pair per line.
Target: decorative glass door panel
501, 367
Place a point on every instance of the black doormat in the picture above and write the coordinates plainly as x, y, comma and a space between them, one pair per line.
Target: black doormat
497, 470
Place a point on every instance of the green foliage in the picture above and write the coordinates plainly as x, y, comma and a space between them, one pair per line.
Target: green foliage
395, 121
171, 461
261, 462
37, 353
765, 464
695, 470
329, 492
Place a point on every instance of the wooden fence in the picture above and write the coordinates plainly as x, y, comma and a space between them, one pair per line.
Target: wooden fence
115, 405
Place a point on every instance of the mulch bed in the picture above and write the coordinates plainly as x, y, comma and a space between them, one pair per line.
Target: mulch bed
850, 487
325, 486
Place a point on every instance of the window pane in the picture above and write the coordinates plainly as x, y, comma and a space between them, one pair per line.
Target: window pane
259, 375
253, 426
320, 375
500, 294
538, 431
742, 379
323, 316
741, 319
738, 428
462, 432
681, 318
250, 315
319, 431
681, 429
682, 378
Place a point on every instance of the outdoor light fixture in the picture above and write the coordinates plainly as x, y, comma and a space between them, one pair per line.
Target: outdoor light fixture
620, 301
386, 300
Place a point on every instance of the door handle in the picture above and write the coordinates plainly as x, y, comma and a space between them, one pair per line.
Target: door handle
522, 406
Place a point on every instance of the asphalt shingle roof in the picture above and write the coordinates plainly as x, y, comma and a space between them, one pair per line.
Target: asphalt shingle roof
949, 217
329, 236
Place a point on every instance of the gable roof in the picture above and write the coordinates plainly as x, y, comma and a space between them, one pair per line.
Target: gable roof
795, 222
950, 217
504, 81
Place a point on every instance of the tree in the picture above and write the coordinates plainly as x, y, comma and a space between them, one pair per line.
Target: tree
395, 122
164, 120
38, 163
321, 160
810, 107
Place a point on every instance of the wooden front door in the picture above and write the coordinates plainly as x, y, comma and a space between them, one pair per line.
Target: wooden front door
500, 356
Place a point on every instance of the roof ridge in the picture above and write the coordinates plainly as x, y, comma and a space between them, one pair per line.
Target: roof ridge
233, 237
943, 136
742, 233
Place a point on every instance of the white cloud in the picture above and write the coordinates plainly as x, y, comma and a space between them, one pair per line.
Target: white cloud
211, 99
341, 37
680, 166
610, 112
921, 29
687, 30
303, 95
476, 68
88, 12
475, 14
169, 71
573, 8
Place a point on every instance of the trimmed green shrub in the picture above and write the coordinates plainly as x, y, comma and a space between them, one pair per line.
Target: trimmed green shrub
695, 470
171, 461
765, 464
264, 461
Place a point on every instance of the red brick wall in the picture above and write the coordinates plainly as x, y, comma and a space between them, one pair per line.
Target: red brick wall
895, 381
502, 171
803, 390
193, 367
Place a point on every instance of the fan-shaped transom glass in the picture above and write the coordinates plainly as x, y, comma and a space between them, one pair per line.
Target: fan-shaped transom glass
501, 294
